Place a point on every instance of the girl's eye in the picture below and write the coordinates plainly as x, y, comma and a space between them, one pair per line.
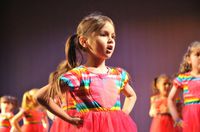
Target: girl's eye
5, 102
167, 84
113, 36
197, 54
102, 34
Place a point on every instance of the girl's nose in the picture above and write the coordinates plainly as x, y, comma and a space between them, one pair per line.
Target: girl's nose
111, 40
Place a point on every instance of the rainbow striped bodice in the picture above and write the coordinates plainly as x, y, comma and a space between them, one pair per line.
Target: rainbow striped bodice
95, 92
190, 86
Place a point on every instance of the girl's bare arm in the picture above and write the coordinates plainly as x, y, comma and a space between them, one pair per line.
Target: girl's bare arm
54, 108
129, 100
15, 121
171, 103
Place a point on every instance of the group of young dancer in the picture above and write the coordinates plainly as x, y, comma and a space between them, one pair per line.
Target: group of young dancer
34, 116
169, 113
83, 95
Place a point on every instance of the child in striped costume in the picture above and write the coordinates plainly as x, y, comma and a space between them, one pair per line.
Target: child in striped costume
161, 118
7, 105
188, 81
95, 87
34, 116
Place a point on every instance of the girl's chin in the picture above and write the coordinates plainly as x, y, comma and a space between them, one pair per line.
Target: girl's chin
108, 57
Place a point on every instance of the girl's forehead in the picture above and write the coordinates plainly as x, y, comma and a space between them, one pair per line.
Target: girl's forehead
4, 99
195, 49
164, 80
108, 27
109, 24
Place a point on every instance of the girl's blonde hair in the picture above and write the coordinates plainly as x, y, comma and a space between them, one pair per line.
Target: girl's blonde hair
28, 100
155, 82
185, 66
54, 89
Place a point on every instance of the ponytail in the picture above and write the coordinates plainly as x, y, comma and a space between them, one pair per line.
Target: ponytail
154, 86
72, 47
55, 89
71, 56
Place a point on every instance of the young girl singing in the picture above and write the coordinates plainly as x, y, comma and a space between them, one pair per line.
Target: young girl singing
94, 86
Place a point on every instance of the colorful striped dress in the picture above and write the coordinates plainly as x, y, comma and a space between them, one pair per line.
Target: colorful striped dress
70, 108
191, 95
162, 121
32, 121
5, 125
97, 98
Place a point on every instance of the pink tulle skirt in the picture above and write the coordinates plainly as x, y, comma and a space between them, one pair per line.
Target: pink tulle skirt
4, 129
191, 118
59, 124
33, 128
163, 123
101, 121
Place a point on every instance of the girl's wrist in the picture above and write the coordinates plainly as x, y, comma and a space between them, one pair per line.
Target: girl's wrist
178, 122
53, 117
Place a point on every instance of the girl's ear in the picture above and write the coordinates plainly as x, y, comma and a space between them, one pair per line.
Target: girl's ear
188, 60
83, 41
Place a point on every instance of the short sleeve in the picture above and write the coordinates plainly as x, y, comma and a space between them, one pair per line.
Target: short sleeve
152, 99
124, 76
177, 82
71, 79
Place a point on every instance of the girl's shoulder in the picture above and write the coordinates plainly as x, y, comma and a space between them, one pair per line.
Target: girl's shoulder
118, 70
153, 97
10, 115
7, 115
184, 77
76, 70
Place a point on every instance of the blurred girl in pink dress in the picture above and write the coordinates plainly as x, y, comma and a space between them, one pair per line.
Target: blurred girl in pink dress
7, 105
162, 120
34, 116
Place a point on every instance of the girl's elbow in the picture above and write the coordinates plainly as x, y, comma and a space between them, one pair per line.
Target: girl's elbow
134, 97
13, 122
170, 99
150, 114
41, 99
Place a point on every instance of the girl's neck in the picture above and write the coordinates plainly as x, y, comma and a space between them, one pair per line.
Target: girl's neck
162, 95
97, 63
4, 112
97, 67
195, 73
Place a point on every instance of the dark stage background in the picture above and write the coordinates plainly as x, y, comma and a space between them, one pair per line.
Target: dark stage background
151, 39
